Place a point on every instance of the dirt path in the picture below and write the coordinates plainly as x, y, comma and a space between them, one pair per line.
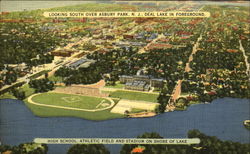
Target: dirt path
187, 68
69, 108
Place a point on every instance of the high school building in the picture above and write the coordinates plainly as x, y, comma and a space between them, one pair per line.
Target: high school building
141, 82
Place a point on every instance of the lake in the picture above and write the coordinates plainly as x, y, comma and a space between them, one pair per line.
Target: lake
222, 118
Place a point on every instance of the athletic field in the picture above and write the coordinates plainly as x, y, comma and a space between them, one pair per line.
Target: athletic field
133, 95
72, 102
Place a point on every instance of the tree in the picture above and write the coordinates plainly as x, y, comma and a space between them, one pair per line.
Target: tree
41, 85
88, 149
163, 99
4, 148
182, 100
10, 76
46, 75
18, 94
126, 113
34, 148
208, 145
1, 66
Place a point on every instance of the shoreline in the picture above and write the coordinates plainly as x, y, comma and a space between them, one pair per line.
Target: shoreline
132, 115
150, 124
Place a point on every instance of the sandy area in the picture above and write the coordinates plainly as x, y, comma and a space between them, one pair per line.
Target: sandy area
87, 91
99, 84
142, 114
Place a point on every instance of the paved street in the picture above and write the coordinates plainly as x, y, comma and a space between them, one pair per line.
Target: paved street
246, 60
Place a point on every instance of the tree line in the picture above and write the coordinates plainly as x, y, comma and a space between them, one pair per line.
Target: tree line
22, 42
208, 145
25, 148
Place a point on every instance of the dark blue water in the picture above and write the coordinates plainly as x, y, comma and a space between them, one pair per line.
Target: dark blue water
222, 118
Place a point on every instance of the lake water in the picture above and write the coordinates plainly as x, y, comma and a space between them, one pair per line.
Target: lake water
222, 118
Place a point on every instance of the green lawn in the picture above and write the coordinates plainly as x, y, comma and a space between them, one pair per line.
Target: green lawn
193, 102
181, 108
7, 95
134, 110
131, 95
184, 94
28, 91
55, 78
117, 85
157, 89
68, 100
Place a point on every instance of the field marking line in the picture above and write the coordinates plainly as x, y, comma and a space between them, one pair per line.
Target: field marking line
100, 103
67, 99
69, 108
76, 94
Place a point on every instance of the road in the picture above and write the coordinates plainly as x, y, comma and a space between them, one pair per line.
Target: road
187, 68
177, 89
246, 60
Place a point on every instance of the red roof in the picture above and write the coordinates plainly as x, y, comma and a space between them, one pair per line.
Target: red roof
138, 150
232, 50
3, 13
211, 93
